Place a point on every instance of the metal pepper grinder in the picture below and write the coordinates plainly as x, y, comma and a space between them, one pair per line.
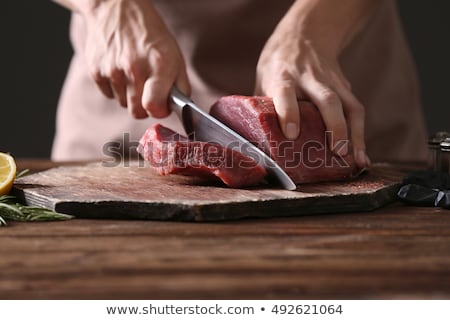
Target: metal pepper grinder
445, 155
434, 145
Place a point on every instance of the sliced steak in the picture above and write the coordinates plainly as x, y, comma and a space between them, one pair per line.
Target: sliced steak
307, 159
170, 153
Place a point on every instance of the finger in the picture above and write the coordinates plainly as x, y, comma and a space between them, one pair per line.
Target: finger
103, 85
330, 106
286, 107
166, 71
134, 92
355, 114
155, 96
119, 86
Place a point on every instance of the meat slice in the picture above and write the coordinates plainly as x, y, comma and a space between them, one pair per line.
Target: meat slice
307, 159
170, 153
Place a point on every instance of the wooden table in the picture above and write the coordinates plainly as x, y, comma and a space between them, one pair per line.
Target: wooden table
395, 252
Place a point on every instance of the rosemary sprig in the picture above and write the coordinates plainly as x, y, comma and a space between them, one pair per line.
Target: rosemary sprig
10, 210
22, 173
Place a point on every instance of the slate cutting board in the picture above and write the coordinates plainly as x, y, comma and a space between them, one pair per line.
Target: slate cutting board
135, 191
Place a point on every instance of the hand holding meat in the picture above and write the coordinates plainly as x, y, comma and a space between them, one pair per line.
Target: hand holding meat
293, 69
133, 57
300, 61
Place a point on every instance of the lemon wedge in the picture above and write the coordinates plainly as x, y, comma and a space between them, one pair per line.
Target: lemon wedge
7, 173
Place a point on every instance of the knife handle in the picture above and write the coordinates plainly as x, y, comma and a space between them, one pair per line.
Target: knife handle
177, 101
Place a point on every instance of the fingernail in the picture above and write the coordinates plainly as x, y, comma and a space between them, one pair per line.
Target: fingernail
291, 131
361, 159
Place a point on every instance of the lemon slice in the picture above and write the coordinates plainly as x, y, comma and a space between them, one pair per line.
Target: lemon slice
7, 173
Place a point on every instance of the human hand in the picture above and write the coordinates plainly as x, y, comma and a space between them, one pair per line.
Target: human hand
300, 61
133, 57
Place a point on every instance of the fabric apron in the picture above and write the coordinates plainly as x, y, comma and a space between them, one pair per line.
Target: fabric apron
221, 42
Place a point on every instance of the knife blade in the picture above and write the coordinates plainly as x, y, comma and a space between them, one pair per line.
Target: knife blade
203, 127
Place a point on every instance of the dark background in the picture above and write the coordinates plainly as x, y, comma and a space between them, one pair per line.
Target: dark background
35, 54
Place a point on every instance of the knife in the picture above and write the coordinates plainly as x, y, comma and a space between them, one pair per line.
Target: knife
203, 127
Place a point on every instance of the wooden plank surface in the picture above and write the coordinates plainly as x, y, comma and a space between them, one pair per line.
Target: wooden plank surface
393, 252
396, 252
135, 191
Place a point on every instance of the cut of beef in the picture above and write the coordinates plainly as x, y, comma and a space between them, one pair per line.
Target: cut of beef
307, 159
170, 153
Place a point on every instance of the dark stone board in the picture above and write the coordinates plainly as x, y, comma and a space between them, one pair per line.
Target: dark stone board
133, 190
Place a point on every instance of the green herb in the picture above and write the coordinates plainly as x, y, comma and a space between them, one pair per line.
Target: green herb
22, 173
10, 210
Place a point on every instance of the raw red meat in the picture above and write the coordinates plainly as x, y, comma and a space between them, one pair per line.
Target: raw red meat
170, 153
307, 159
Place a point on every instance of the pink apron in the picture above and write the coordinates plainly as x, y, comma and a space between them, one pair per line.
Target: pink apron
221, 42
